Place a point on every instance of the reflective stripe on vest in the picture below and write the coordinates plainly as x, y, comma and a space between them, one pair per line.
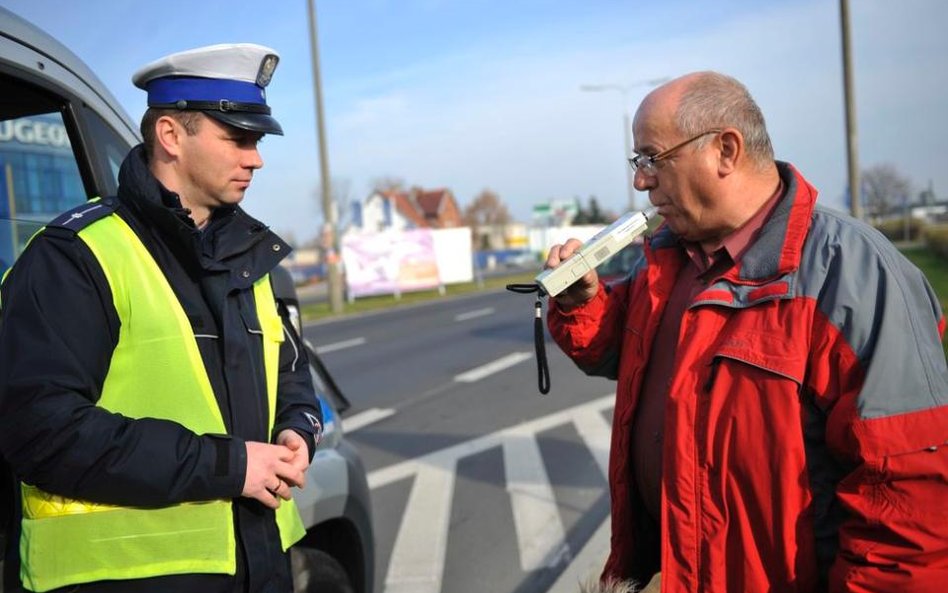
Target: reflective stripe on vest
156, 371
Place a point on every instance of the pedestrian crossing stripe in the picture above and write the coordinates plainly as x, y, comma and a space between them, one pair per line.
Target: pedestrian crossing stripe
417, 561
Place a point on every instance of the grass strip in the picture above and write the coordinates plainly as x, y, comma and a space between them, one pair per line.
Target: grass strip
320, 310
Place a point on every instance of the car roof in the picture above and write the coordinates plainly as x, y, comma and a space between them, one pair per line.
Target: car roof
65, 71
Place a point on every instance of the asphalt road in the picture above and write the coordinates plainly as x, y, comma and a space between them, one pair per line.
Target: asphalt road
479, 483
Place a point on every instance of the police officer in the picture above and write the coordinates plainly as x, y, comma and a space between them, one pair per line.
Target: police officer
155, 406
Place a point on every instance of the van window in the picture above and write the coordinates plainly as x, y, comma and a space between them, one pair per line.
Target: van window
110, 150
39, 174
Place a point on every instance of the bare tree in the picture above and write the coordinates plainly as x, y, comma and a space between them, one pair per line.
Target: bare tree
341, 202
486, 215
486, 210
388, 183
884, 188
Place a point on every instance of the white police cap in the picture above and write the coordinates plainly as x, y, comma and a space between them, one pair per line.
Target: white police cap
225, 81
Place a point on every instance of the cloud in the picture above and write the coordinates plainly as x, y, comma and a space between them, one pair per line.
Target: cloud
517, 122
483, 95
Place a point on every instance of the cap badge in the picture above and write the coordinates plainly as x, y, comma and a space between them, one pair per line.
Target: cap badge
267, 66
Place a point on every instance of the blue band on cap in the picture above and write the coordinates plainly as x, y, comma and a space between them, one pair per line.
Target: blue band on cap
163, 91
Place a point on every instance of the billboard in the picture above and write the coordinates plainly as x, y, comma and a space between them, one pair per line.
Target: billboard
393, 262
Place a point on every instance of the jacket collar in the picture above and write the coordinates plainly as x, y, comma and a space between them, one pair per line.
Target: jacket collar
778, 249
779, 245
233, 240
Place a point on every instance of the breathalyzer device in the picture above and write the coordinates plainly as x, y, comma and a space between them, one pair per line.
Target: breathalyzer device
595, 251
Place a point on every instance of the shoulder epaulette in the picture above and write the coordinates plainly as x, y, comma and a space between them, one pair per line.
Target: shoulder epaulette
85, 214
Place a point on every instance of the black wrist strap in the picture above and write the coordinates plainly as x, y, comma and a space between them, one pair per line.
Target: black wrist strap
539, 340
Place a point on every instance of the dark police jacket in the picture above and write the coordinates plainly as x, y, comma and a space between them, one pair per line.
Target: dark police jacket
58, 330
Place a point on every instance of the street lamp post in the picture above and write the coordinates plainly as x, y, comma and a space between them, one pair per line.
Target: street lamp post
852, 152
626, 123
330, 230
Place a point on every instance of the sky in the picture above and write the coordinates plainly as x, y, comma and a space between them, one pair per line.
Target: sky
486, 94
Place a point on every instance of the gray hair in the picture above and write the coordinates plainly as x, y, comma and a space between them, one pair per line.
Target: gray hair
714, 100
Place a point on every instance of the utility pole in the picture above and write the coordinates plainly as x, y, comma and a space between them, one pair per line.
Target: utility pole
626, 124
330, 230
852, 154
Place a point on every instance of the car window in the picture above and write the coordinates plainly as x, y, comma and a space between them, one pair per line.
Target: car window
111, 149
13, 238
39, 178
39, 173
620, 264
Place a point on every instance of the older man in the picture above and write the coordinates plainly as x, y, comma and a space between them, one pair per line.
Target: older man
781, 419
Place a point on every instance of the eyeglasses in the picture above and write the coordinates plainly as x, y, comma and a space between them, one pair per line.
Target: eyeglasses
646, 163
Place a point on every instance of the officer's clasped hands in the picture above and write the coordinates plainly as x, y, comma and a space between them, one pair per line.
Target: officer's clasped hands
273, 469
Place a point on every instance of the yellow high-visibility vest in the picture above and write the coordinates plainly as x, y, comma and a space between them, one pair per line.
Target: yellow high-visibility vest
156, 371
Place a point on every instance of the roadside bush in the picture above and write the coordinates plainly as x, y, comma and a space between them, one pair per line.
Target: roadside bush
936, 237
894, 229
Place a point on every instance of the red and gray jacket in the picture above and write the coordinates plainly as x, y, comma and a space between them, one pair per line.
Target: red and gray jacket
806, 426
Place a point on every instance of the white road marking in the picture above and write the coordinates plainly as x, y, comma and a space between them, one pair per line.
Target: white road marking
596, 432
540, 532
340, 345
417, 563
476, 374
474, 314
409, 467
364, 418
